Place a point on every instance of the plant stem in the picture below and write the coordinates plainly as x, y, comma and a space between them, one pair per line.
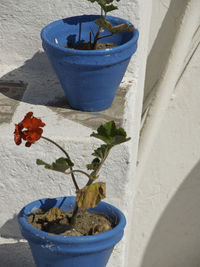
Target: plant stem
67, 155
90, 181
101, 37
98, 169
74, 213
96, 38
78, 171
75, 210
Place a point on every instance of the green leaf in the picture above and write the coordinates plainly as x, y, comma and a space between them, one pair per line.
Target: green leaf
110, 134
109, 1
41, 162
106, 4
61, 164
101, 151
94, 165
108, 8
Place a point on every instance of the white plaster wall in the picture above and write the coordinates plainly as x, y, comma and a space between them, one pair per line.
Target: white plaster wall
165, 228
21, 180
163, 30
165, 222
166, 214
159, 10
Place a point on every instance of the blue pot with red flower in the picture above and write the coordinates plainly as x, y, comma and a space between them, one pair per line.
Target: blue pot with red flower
90, 78
50, 250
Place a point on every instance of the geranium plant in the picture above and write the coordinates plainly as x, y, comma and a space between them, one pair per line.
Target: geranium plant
30, 130
106, 7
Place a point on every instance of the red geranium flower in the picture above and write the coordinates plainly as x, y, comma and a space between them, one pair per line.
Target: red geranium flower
32, 130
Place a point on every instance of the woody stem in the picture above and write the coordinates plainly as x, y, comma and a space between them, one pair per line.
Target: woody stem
98, 169
73, 171
96, 38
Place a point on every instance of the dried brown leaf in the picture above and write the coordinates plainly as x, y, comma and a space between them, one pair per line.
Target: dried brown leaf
89, 196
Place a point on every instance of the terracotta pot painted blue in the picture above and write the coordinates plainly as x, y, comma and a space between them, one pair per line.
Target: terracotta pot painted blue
90, 78
71, 251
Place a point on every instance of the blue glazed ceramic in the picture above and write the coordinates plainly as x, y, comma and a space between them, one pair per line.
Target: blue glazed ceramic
90, 78
71, 251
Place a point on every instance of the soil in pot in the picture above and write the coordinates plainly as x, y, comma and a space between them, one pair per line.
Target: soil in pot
56, 221
87, 46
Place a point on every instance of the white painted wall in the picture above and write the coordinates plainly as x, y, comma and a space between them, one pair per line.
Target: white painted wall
163, 30
165, 214
166, 208
164, 231
21, 180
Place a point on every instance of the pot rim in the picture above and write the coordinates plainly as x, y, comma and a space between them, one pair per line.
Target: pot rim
22, 218
98, 52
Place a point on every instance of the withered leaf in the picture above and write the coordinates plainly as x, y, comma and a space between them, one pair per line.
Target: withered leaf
89, 196
102, 22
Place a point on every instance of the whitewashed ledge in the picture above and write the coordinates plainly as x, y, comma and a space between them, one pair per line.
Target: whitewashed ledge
28, 83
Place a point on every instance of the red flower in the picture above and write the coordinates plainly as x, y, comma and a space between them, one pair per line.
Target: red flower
33, 132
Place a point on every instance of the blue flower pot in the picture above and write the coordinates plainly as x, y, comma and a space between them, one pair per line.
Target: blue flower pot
71, 251
90, 78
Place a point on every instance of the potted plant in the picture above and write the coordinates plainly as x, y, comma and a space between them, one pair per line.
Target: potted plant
90, 55
72, 231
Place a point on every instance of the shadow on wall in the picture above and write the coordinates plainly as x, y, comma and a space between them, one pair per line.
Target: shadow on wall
11, 229
175, 241
162, 46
